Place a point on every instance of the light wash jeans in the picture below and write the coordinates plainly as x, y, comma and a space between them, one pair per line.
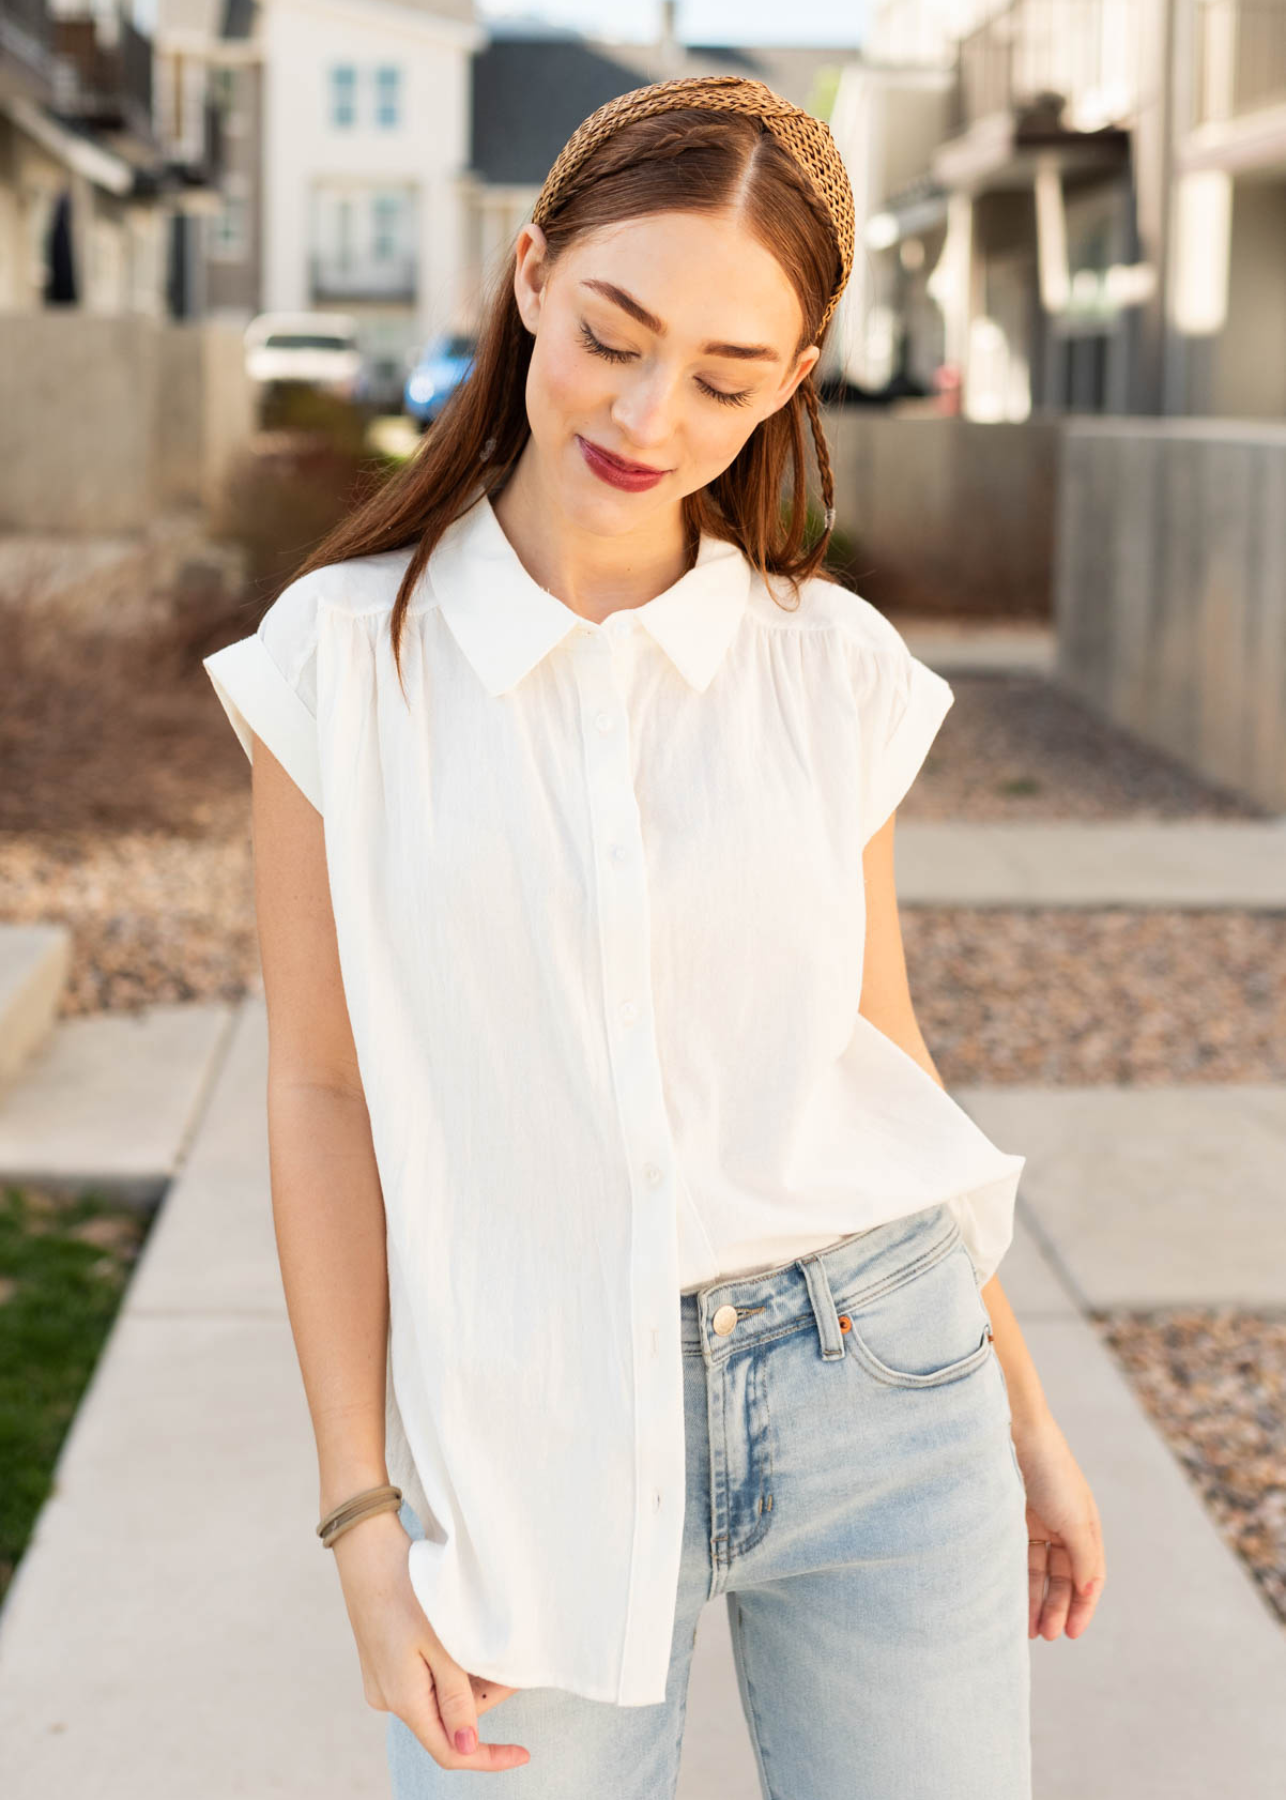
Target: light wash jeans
853, 1491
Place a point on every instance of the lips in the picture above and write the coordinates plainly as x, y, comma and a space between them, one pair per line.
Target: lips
632, 477
621, 462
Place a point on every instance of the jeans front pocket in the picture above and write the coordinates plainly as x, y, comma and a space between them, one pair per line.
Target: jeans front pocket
930, 1327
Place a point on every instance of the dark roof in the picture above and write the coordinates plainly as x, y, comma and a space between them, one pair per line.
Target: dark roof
531, 89
529, 95
238, 19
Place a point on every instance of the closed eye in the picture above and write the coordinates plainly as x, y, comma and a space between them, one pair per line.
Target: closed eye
597, 349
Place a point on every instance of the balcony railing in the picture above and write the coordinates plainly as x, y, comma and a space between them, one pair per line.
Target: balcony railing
199, 159
1080, 58
1241, 57
104, 82
26, 48
382, 278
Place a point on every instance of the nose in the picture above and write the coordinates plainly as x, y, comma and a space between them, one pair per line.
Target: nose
642, 413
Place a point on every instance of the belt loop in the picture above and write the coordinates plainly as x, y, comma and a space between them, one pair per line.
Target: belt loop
819, 1292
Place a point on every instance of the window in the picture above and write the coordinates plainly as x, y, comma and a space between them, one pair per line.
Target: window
387, 214
228, 228
343, 95
344, 234
388, 82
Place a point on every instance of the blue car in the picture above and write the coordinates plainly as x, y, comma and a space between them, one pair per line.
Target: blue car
436, 372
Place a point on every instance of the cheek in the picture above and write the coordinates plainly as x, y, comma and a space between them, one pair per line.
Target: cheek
563, 381
717, 441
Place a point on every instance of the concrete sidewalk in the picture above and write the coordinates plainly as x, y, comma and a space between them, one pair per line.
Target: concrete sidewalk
174, 1627
1100, 862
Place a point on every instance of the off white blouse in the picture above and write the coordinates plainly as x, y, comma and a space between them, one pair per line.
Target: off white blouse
599, 903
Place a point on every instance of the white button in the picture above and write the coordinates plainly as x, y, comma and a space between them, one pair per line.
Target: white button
603, 720
629, 1012
584, 631
652, 1173
619, 852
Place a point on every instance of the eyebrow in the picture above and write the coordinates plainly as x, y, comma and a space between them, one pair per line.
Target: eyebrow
636, 310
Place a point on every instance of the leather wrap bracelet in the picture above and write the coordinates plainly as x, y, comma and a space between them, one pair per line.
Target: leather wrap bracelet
352, 1511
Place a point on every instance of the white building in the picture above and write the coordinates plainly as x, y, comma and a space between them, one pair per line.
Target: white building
365, 123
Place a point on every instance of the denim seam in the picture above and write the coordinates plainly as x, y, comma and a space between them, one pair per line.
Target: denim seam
765, 1516
1009, 1426
752, 1708
907, 1378
683, 1709
721, 1540
890, 1283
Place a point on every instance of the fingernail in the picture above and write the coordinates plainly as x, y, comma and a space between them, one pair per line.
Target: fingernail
466, 1740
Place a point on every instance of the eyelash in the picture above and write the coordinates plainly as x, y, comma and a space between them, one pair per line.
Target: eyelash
592, 344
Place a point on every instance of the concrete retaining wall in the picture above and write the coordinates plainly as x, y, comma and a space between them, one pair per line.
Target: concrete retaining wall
1170, 589
949, 514
106, 420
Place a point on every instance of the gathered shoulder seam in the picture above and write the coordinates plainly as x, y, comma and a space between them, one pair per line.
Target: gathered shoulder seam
892, 655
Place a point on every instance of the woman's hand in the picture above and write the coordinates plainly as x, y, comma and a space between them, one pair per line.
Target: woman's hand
405, 1669
1061, 1511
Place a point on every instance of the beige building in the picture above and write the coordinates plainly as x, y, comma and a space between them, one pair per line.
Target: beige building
99, 195
1074, 207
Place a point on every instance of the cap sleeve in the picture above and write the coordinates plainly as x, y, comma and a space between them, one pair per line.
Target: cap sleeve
267, 684
901, 704
919, 704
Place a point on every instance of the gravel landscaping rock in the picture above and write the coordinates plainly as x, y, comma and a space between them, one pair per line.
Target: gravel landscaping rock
1113, 994
1015, 747
1214, 1382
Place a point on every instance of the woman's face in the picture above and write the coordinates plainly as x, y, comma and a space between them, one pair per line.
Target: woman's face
663, 341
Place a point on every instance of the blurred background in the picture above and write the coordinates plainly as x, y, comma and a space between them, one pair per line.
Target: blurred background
242, 249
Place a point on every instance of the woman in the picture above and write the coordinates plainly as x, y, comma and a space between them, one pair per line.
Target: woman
633, 1250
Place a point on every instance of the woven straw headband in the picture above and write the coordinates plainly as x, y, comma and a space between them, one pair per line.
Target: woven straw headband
808, 139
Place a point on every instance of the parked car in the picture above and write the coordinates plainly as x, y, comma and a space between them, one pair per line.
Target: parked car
382, 381
315, 348
436, 371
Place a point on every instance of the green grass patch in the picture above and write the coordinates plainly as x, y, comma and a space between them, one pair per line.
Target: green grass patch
64, 1264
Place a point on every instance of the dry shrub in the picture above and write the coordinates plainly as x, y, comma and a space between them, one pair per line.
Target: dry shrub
106, 716
283, 493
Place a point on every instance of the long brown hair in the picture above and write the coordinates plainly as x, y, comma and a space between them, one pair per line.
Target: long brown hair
688, 160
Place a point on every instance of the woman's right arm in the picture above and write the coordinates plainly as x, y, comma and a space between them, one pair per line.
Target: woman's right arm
328, 1216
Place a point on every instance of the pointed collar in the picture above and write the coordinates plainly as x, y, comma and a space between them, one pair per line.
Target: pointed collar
505, 622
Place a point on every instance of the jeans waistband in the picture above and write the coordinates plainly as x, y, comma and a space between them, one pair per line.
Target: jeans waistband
720, 1320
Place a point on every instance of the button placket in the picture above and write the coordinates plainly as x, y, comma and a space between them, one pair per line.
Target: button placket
623, 920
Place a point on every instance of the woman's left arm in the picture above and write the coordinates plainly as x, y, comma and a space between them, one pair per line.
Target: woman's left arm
1061, 1510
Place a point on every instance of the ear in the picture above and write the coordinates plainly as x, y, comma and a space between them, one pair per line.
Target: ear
529, 273
807, 362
